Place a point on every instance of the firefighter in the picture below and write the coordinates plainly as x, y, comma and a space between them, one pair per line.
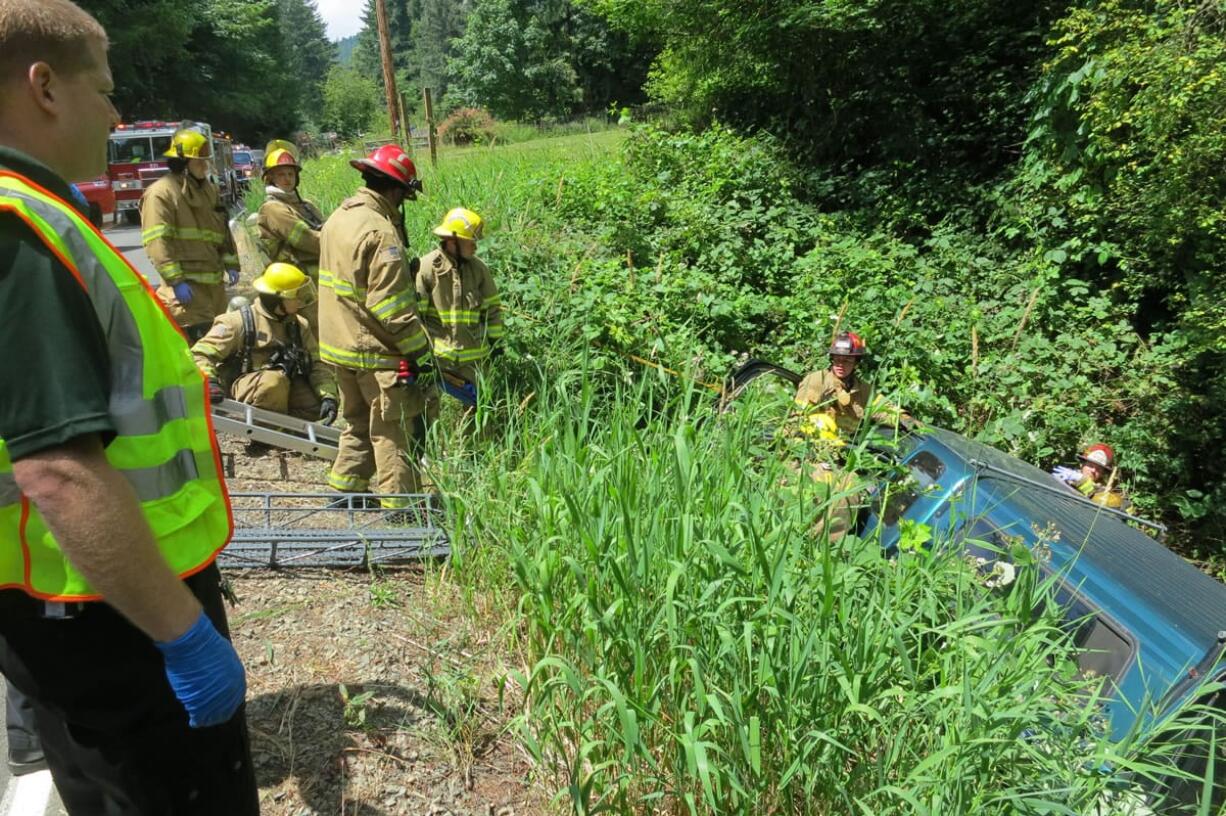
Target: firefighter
266, 355
1096, 478
370, 330
185, 233
113, 506
830, 405
458, 301
845, 397
288, 224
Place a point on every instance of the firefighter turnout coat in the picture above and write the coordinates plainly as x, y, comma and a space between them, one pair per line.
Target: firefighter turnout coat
184, 230
219, 354
459, 305
848, 403
289, 229
367, 302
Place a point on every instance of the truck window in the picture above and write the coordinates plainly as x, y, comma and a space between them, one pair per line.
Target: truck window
923, 471
131, 150
1103, 649
242, 157
134, 149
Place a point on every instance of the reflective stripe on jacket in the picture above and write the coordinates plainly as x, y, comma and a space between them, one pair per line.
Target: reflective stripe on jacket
460, 307
367, 303
185, 231
164, 445
847, 403
226, 343
289, 230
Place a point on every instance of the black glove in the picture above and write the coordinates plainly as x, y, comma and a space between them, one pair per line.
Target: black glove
414, 266
327, 411
216, 395
423, 368
496, 349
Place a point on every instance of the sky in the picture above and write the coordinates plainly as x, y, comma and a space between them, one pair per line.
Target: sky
343, 17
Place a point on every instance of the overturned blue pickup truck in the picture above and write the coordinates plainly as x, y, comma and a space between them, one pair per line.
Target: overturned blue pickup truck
1144, 619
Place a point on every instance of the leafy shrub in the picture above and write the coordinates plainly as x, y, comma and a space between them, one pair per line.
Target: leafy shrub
467, 126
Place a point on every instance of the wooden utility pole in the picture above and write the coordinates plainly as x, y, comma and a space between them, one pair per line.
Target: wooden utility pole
389, 72
405, 128
430, 134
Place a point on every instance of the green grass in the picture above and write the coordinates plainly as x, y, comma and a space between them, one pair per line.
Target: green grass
690, 641
496, 182
691, 645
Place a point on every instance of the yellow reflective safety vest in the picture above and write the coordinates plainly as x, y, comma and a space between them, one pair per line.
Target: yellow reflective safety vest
164, 444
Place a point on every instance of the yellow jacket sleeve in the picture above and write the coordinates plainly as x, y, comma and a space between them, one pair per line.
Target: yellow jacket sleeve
223, 341
391, 295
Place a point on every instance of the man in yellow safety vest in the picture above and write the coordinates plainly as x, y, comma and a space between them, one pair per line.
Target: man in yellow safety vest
112, 503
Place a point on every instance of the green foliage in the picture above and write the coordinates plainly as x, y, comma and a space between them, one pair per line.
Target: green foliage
1123, 182
689, 644
344, 49
440, 23
309, 53
692, 647
421, 33
915, 81
530, 59
351, 102
467, 126
251, 67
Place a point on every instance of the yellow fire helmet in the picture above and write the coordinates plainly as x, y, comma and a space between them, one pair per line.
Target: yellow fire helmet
189, 142
460, 223
280, 144
280, 158
287, 282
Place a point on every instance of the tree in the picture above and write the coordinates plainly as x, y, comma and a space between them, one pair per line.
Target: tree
923, 81
351, 101
309, 53
528, 59
366, 59
220, 61
440, 23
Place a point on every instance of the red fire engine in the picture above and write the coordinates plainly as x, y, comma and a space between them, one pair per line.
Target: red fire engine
135, 161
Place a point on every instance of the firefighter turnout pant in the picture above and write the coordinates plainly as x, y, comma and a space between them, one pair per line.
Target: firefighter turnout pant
208, 301
273, 390
837, 494
379, 447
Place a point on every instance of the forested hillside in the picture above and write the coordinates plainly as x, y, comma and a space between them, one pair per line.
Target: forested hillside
1022, 206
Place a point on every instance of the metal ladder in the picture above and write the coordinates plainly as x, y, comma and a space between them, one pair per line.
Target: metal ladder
257, 425
277, 530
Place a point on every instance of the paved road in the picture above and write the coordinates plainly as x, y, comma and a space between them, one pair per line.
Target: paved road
34, 794
29, 795
127, 240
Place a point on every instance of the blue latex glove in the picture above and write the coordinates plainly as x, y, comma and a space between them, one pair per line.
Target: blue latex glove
232, 277
205, 673
466, 393
183, 292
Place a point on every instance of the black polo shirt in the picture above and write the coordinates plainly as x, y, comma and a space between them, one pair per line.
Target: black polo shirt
54, 367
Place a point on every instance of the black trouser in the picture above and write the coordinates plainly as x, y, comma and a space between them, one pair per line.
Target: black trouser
116, 738
19, 721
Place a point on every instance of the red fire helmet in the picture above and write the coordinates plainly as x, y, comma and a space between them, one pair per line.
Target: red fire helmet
393, 162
